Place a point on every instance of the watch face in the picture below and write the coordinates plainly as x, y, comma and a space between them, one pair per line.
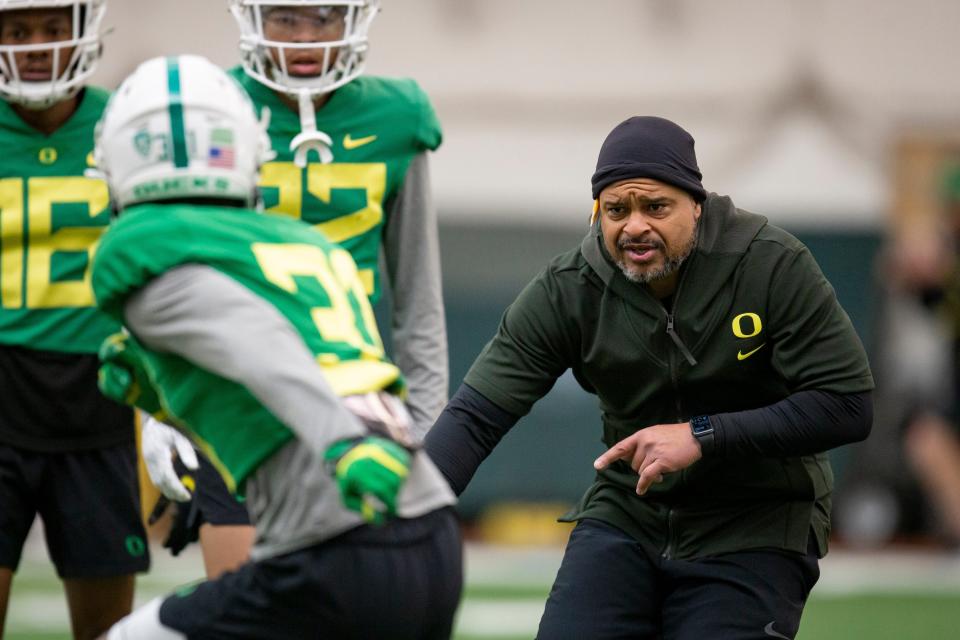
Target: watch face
701, 426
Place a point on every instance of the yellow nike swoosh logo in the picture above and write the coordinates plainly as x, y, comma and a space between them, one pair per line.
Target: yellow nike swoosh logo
743, 356
353, 143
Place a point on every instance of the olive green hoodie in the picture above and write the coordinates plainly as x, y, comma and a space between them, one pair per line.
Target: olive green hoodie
752, 320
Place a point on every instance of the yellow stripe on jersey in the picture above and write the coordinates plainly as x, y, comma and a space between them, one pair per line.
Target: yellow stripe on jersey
359, 376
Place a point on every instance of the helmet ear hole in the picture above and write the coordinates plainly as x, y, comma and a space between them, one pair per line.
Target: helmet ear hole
180, 128
85, 44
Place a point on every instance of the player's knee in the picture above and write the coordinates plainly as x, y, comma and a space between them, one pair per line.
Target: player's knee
143, 624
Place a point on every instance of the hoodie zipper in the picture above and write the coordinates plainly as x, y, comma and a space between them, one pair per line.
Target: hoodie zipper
670, 547
676, 338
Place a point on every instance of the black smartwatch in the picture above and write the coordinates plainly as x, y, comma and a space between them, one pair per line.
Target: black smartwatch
703, 432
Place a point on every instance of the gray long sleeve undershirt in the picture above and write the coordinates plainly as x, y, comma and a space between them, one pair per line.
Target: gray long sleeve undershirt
206, 317
412, 254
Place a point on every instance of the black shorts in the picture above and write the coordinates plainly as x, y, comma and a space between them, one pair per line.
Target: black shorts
214, 503
90, 506
611, 586
401, 581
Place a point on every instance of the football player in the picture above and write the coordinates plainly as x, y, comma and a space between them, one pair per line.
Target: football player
66, 452
352, 160
253, 333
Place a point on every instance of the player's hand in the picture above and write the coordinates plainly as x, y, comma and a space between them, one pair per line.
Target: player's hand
654, 451
158, 442
122, 376
370, 472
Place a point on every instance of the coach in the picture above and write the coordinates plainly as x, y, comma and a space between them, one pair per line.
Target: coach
724, 368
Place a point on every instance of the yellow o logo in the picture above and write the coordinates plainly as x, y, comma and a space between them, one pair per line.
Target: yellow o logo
738, 325
48, 155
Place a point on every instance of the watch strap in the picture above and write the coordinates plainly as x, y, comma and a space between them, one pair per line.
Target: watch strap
702, 430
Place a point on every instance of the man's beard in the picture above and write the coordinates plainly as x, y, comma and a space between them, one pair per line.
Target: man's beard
670, 265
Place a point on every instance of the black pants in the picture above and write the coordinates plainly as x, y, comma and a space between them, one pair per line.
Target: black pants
401, 581
611, 586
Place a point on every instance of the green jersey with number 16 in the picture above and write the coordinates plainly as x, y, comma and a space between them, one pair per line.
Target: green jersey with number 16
377, 126
310, 281
51, 218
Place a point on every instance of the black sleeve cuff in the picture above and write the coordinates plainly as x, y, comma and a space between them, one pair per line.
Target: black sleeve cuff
464, 435
803, 423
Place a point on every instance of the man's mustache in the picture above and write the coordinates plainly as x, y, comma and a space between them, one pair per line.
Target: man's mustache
639, 244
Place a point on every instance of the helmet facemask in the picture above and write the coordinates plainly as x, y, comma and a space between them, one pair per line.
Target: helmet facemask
304, 49
333, 34
73, 60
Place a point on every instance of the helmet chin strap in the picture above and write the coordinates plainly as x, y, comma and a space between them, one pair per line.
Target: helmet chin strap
309, 139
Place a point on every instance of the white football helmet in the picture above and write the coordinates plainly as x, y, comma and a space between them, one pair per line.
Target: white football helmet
85, 42
177, 128
343, 59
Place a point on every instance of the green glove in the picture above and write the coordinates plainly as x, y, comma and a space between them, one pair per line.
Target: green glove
370, 472
122, 376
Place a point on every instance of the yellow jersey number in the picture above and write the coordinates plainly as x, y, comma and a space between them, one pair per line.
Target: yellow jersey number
320, 180
348, 319
349, 310
29, 240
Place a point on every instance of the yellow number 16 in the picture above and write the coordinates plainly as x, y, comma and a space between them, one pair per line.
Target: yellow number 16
30, 240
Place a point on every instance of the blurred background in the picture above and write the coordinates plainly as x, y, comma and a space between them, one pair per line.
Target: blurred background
839, 120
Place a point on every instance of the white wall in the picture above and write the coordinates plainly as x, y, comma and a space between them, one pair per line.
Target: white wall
794, 103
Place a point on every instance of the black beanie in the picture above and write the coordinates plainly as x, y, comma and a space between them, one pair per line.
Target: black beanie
649, 147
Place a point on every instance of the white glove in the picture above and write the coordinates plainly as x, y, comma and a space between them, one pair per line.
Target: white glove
158, 441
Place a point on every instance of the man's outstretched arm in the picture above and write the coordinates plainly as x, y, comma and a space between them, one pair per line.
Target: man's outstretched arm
464, 435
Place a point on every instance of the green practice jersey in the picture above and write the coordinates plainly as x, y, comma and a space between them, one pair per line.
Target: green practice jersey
377, 126
51, 217
310, 281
